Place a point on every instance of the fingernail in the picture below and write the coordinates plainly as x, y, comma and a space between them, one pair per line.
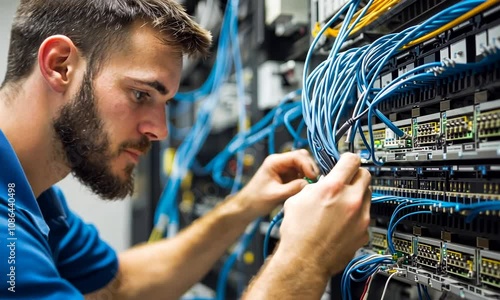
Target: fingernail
304, 183
315, 169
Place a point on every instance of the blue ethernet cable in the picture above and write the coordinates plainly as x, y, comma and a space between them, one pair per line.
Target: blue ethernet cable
308, 101
426, 292
257, 133
419, 292
242, 116
276, 221
186, 152
279, 119
290, 115
359, 269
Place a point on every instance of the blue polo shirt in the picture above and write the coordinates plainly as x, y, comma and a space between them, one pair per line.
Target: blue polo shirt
46, 250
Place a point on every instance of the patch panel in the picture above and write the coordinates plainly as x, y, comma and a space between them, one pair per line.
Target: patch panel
460, 187
405, 183
490, 268
394, 185
460, 261
488, 124
460, 128
426, 133
430, 180
392, 141
462, 184
444, 283
378, 137
403, 243
445, 266
476, 189
467, 133
379, 238
491, 188
384, 180
428, 253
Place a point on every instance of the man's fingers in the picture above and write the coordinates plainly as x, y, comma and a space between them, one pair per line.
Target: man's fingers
346, 168
362, 179
309, 166
299, 160
367, 201
291, 188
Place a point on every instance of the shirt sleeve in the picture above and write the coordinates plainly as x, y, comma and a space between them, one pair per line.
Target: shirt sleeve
83, 258
27, 268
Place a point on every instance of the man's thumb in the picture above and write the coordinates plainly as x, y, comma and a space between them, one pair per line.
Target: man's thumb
293, 187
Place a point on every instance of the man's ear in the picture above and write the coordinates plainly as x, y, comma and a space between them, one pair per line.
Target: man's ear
58, 59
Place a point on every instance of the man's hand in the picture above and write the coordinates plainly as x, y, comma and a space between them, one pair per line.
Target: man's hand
324, 225
280, 177
328, 221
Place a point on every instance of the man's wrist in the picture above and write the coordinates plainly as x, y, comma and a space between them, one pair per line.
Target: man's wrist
239, 204
287, 275
244, 205
305, 261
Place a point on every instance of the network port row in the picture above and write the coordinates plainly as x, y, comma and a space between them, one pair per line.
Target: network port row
448, 187
460, 128
428, 255
455, 130
488, 124
490, 268
461, 262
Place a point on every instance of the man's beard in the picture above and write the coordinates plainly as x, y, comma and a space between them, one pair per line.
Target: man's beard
86, 146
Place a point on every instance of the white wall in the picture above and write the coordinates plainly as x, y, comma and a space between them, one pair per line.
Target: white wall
113, 219
7, 10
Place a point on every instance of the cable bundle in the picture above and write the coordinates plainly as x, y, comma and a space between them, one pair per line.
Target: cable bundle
360, 269
340, 91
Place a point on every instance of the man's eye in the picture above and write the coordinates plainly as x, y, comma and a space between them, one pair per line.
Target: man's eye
141, 96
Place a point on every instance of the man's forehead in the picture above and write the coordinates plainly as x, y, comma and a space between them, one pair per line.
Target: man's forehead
148, 59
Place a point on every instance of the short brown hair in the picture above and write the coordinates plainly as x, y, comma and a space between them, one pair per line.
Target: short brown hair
96, 26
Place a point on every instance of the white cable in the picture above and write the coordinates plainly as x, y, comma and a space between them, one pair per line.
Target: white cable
365, 297
387, 284
366, 259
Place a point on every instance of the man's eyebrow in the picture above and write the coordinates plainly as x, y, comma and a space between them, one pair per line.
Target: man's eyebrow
156, 85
